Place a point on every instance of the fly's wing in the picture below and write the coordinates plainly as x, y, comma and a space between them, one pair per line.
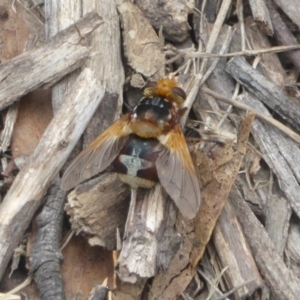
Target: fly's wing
98, 155
177, 174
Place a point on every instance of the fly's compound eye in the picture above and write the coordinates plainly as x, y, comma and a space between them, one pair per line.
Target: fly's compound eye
179, 92
150, 84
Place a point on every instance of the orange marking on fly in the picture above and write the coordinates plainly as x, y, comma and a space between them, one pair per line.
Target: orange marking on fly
175, 142
165, 88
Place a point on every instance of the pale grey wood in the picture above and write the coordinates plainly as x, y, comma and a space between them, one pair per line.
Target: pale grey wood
47, 64
278, 214
234, 253
280, 153
98, 208
10, 120
292, 251
269, 64
142, 45
58, 16
261, 15
283, 283
106, 62
266, 91
291, 9
58, 140
149, 229
171, 15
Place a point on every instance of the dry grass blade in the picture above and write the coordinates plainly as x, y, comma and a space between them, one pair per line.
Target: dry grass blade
292, 134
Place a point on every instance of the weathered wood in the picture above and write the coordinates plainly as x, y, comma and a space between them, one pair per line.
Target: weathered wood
283, 283
269, 64
216, 186
292, 250
264, 117
10, 120
261, 15
280, 153
97, 208
172, 16
266, 91
58, 16
291, 9
278, 214
284, 36
46, 64
52, 151
46, 257
106, 62
234, 253
142, 47
149, 236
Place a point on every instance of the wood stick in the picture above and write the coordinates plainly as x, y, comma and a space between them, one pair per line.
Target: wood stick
280, 153
278, 214
266, 91
51, 153
45, 65
264, 117
58, 16
292, 250
261, 15
142, 49
93, 218
149, 228
291, 9
283, 283
284, 36
269, 64
10, 120
106, 62
216, 187
234, 252
172, 16
276, 49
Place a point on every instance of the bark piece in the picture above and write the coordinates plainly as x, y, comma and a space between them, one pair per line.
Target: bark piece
261, 15
283, 283
46, 256
216, 185
98, 208
280, 153
105, 43
52, 151
234, 253
278, 215
10, 120
45, 63
172, 16
58, 16
149, 240
291, 9
142, 45
284, 36
292, 251
269, 64
270, 94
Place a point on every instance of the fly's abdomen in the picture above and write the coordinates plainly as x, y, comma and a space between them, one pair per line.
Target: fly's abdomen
136, 162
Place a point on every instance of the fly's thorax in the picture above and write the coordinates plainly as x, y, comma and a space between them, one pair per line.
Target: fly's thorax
153, 116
